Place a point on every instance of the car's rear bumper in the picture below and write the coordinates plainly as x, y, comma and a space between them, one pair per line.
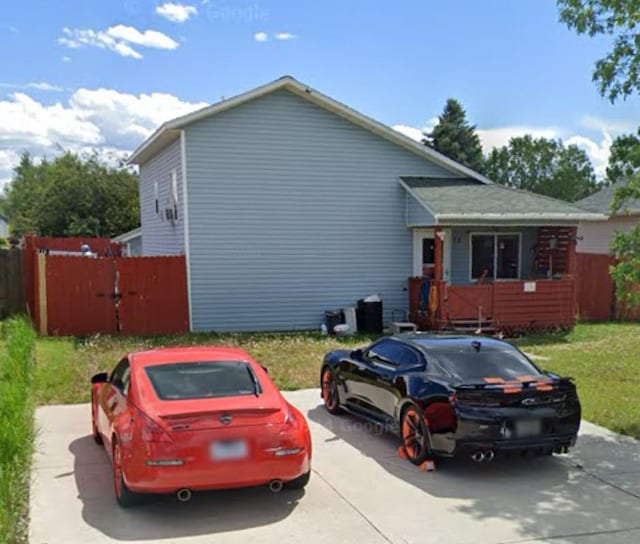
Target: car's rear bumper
204, 475
537, 445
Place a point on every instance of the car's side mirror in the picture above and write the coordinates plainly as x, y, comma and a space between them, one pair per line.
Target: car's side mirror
103, 377
357, 354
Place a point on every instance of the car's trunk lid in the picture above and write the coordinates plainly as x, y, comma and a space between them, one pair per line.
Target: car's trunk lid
227, 412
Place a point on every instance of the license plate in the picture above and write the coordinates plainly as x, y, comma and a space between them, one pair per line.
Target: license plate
229, 449
528, 427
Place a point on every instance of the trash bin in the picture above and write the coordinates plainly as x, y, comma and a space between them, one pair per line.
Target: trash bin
332, 318
369, 316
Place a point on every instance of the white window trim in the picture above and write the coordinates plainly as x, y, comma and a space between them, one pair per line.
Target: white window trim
495, 254
418, 235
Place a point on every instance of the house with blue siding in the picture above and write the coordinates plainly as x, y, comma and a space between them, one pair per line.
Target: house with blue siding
286, 203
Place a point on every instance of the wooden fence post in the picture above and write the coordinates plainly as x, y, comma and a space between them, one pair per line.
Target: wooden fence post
42, 293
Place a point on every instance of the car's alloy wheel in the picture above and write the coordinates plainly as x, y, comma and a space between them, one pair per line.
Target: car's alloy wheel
415, 436
330, 392
124, 495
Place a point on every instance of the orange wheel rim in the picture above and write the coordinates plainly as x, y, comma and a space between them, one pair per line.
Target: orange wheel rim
329, 391
413, 434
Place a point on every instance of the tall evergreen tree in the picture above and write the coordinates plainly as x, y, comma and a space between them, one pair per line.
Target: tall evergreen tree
455, 138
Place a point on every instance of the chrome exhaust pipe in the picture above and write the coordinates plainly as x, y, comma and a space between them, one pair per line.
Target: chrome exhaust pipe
489, 455
184, 495
275, 486
478, 456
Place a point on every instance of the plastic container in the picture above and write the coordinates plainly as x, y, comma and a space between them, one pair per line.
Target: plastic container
350, 319
369, 316
332, 318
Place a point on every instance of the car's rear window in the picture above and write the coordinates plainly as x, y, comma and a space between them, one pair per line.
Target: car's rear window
203, 380
482, 363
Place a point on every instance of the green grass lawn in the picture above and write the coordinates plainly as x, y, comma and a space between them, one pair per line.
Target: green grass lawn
603, 358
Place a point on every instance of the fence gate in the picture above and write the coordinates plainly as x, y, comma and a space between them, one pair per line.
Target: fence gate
153, 293
79, 296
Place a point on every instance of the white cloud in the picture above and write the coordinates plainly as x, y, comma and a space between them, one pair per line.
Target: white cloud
499, 136
40, 86
66, 59
176, 13
148, 38
102, 119
281, 36
118, 39
284, 36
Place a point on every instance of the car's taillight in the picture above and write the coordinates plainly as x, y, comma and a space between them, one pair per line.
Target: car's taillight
150, 431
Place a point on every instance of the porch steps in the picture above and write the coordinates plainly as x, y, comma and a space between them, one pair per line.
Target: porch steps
471, 326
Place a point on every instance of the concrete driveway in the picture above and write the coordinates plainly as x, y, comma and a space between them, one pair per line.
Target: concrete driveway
360, 491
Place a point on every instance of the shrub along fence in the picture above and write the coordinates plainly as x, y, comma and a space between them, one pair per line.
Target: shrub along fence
16, 428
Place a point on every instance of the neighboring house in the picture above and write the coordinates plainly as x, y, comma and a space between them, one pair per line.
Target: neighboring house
132, 241
596, 299
4, 227
287, 203
596, 236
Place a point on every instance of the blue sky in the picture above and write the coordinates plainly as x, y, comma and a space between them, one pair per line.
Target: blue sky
103, 74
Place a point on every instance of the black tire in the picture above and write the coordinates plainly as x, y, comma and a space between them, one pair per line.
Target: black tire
124, 495
415, 435
97, 437
300, 482
329, 390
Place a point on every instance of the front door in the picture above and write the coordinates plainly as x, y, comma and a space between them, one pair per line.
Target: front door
424, 253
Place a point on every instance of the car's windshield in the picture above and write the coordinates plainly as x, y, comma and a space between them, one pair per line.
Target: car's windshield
202, 380
474, 362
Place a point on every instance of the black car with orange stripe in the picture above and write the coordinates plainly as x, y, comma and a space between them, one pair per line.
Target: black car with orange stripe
454, 395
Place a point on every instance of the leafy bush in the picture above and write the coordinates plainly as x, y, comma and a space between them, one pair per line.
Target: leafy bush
16, 428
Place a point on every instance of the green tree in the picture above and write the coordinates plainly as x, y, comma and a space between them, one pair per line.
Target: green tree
455, 138
71, 195
542, 166
624, 158
618, 73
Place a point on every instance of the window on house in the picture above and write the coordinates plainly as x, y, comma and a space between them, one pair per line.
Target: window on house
495, 256
174, 194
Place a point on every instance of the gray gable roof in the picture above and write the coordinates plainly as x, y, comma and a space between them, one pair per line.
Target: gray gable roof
601, 201
465, 201
170, 131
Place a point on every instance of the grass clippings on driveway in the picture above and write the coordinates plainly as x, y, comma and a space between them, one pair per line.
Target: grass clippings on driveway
603, 358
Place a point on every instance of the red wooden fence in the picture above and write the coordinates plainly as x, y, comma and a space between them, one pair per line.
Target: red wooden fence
595, 296
154, 295
80, 296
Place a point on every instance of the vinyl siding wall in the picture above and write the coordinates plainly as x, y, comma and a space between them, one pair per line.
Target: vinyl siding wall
292, 211
161, 236
596, 236
417, 215
461, 250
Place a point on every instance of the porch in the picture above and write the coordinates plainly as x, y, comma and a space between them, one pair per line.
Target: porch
493, 278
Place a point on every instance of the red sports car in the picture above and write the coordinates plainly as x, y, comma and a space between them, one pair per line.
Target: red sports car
198, 418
